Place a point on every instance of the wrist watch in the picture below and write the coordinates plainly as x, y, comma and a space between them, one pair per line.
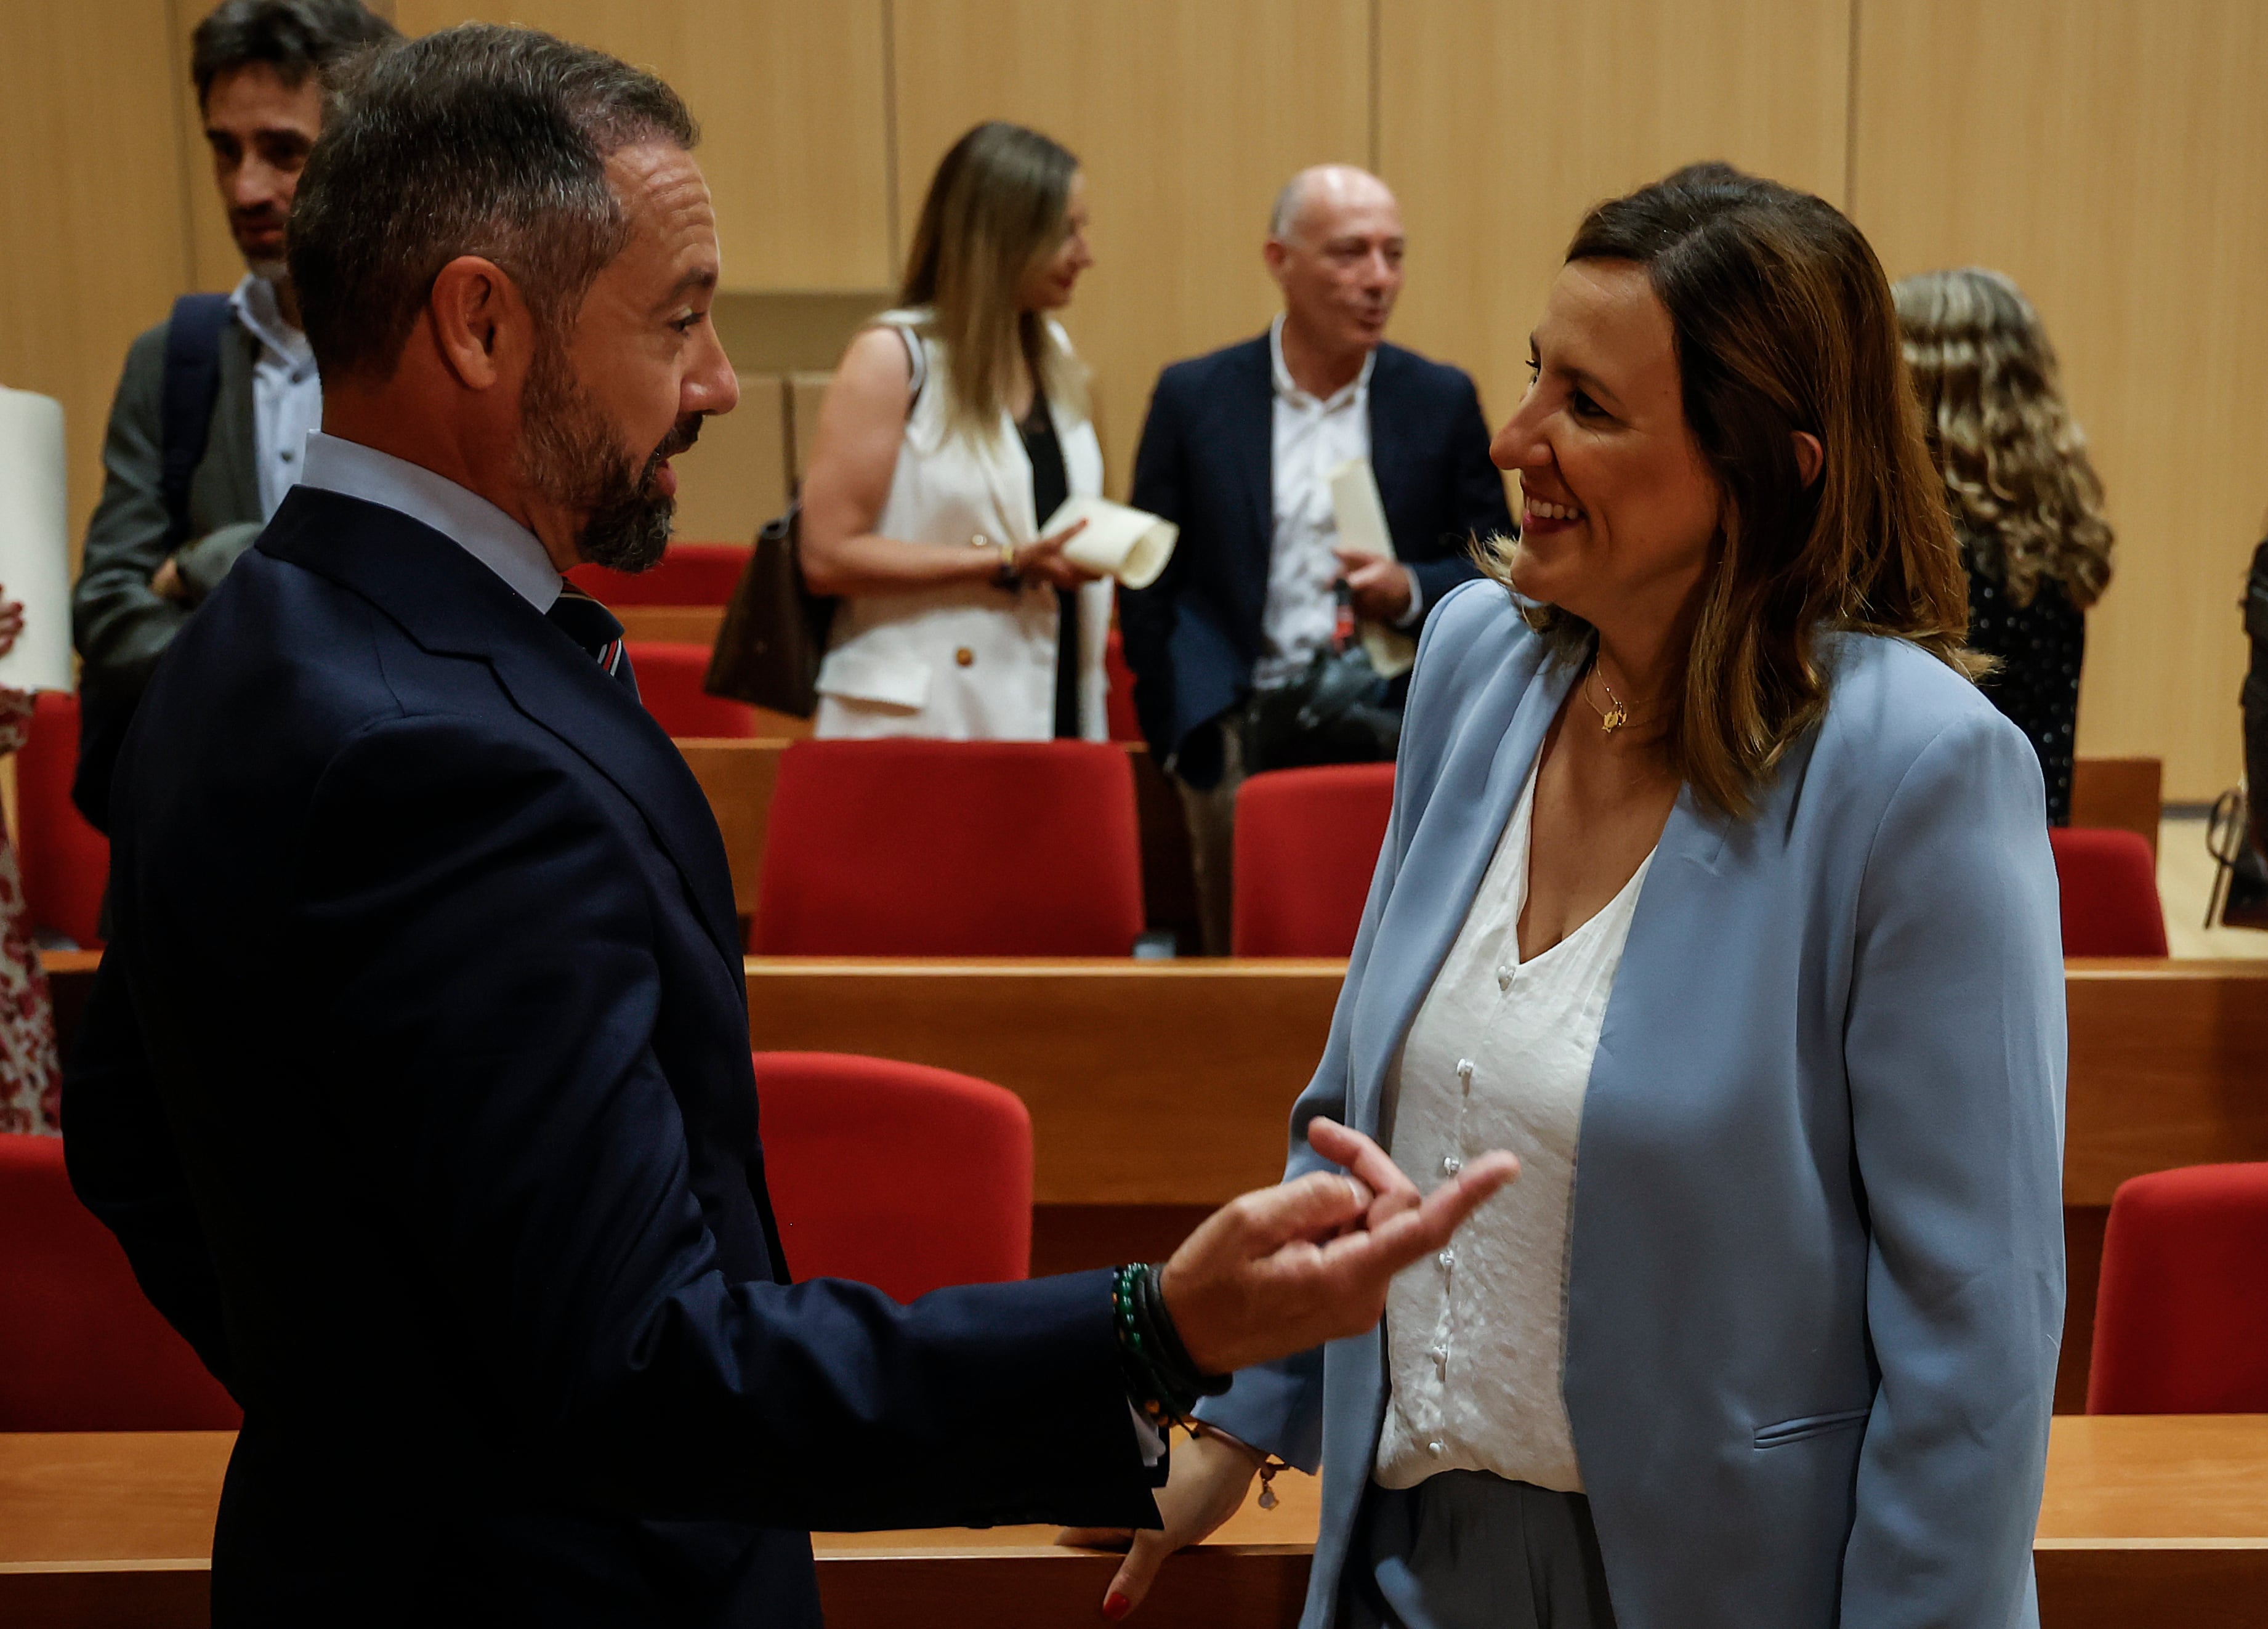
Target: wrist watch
1004, 576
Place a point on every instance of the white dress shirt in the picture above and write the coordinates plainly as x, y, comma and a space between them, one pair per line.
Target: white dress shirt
459, 514
1313, 436
1499, 1056
287, 396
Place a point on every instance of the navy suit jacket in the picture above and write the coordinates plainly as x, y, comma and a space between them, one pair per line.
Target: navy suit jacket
416, 1084
1206, 463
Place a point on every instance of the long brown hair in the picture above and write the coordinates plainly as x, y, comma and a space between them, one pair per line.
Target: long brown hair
2024, 493
997, 208
1782, 323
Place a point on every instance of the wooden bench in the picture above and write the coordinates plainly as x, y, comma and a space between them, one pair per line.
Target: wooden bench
2146, 1520
2120, 793
1159, 1089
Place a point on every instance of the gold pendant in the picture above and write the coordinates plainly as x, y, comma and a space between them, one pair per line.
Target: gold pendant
1613, 719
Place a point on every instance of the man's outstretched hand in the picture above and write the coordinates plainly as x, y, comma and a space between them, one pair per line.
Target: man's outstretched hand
1287, 1268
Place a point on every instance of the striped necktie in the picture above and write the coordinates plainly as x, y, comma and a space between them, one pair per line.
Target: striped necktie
593, 627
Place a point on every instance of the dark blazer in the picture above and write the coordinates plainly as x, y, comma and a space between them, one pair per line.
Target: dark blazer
1206, 463
416, 1084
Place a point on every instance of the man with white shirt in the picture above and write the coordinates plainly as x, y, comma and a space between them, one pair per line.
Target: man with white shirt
416, 1081
212, 412
1238, 450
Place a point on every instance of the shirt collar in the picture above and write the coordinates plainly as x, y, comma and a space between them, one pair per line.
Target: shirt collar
461, 515
253, 301
1287, 388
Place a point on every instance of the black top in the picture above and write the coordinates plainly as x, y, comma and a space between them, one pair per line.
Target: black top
2041, 646
1050, 487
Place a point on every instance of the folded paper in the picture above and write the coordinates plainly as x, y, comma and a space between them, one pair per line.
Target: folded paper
1362, 525
34, 541
1131, 545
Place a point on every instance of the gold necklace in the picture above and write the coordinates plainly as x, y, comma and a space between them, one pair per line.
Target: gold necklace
1614, 715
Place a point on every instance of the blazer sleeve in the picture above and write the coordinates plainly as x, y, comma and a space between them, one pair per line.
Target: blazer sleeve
494, 990
1145, 615
120, 626
1956, 1053
1279, 1406
127, 1170
1478, 504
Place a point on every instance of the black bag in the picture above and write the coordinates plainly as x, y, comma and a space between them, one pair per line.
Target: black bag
1335, 712
2238, 834
774, 630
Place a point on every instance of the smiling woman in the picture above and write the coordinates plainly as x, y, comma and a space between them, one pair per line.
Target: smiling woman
1709, 871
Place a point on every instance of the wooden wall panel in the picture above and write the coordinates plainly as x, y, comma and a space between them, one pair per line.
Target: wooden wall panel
2112, 157
1501, 121
735, 477
1188, 117
91, 244
793, 114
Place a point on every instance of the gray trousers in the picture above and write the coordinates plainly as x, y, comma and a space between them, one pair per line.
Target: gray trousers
1465, 1549
1211, 815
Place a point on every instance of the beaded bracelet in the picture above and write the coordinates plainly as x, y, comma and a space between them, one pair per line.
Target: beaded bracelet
1162, 1377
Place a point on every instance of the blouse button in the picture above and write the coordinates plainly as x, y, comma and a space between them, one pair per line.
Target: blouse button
1465, 1069
1451, 1164
1504, 978
1446, 1260
965, 657
1436, 1449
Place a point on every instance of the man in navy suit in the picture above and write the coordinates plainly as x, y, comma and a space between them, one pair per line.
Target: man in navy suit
1239, 450
416, 1081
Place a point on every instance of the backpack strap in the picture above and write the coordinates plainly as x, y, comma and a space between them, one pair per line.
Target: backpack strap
192, 386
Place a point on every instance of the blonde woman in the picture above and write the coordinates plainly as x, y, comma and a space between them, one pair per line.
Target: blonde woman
2025, 500
953, 429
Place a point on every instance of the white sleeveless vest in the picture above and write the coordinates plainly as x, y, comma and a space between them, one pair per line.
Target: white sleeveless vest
968, 661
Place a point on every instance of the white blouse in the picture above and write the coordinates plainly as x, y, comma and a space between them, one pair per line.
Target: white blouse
1499, 1056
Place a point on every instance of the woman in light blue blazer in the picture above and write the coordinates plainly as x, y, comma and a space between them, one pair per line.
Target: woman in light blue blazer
1716, 888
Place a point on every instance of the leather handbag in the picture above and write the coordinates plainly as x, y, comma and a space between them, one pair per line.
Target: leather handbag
1335, 711
774, 630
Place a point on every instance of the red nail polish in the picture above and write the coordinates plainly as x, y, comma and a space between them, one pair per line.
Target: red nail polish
1115, 1606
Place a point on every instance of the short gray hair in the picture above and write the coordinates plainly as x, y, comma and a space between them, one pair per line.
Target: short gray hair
478, 140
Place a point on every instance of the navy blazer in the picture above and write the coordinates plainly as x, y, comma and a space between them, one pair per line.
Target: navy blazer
1206, 463
416, 1084
1815, 1277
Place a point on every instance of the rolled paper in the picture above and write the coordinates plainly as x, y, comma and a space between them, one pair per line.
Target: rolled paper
34, 541
1131, 545
1362, 525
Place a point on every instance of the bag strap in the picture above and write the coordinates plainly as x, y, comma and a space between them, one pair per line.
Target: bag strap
192, 387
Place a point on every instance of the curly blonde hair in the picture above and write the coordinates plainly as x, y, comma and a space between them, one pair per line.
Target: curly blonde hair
2022, 490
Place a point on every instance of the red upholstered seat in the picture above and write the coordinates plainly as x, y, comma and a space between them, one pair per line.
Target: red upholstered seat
65, 861
896, 1174
2181, 1323
930, 847
669, 684
1125, 726
1306, 844
2109, 885
80, 1348
688, 574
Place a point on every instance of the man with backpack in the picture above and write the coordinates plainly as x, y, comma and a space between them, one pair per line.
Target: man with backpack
213, 411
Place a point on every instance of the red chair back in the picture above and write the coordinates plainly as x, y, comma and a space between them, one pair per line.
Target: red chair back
930, 847
80, 1348
2108, 881
65, 861
2181, 1321
896, 1174
1306, 844
1124, 724
687, 574
669, 684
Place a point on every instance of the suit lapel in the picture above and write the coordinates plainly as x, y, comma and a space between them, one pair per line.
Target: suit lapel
451, 605
1390, 461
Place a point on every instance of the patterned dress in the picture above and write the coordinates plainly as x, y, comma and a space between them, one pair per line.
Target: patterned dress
2042, 646
30, 1078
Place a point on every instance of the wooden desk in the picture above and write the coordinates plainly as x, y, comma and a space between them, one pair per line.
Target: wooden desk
2146, 1520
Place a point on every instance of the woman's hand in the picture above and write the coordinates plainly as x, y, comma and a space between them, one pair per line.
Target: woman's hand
1210, 1477
11, 624
1043, 562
